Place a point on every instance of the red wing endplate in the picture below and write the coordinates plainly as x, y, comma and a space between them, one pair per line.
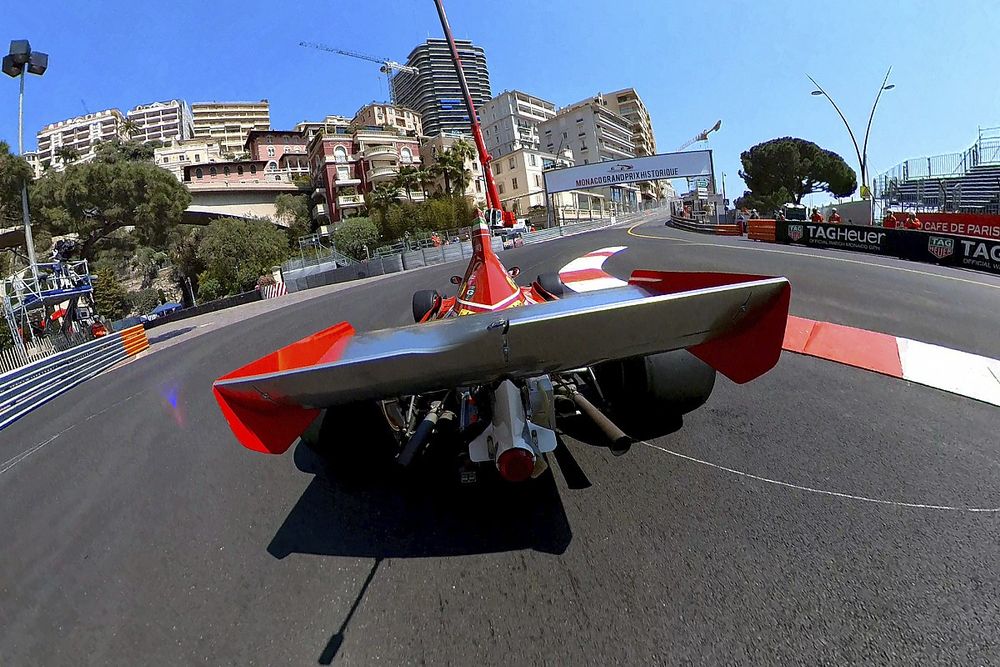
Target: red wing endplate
734, 323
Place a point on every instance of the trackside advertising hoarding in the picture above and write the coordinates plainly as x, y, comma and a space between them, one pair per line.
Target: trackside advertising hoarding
918, 246
630, 170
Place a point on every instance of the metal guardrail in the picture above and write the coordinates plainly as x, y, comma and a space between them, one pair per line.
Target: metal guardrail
26, 388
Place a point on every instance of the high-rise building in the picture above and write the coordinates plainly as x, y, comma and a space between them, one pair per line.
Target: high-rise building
435, 92
510, 121
389, 115
73, 140
595, 134
229, 123
161, 121
627, 104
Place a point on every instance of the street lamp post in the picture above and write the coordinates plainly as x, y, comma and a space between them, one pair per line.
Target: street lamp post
861, 151
18, 63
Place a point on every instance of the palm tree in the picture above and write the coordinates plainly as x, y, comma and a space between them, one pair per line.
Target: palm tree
129, 127
67, 154
382, 196
452, 168
406, 179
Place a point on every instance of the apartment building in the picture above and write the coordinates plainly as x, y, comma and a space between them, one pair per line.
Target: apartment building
347, 161
178, 154
229, 123
627, 104
77, 136
281, 150
161, 121
392, 115
510, 121
310, 128
431, 147
521, 185
434, 92
594, 133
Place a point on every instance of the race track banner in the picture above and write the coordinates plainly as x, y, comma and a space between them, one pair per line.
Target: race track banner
629, 170
915, 245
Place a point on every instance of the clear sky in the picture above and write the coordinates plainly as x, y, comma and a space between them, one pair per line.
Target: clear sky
692, 62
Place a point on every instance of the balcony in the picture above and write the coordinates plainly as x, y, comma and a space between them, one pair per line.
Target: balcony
381, 151
345, 182
350, 201
320, 212
382, 174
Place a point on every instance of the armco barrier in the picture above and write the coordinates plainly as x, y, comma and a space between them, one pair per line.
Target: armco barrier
705, 227
912, 244
207, 307
28, 387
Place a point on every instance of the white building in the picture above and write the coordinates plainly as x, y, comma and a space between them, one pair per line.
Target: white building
511, 119
229, 123
519, 180
161, 121
180, 153
430, 147
77, 136
627, 104
397, 117
594, 133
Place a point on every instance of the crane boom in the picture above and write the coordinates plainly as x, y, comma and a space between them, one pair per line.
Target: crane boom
387, 66
701, 136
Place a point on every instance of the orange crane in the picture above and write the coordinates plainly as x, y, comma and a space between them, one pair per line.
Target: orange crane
388, 66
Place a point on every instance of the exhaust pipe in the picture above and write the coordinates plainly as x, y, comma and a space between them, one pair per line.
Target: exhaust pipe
620, 442
420, 436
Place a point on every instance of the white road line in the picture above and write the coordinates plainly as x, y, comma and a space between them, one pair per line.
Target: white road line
837, 494
592, 261
594, 284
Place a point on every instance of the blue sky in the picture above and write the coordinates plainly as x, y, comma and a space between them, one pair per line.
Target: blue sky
692, 62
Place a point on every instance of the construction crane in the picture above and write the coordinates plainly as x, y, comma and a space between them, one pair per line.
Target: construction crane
387, 66
701, 136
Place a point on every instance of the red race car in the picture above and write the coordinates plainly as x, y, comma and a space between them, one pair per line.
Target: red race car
484, 378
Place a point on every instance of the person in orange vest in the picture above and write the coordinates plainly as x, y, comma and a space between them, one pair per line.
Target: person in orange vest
816, 216
912, 222
834, 217
889, 220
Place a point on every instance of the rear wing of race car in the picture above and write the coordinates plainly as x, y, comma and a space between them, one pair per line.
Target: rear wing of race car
735, 323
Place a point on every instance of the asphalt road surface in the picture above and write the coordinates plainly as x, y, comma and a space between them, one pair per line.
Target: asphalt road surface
787, 522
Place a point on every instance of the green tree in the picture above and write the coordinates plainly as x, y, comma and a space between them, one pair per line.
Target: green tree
129, 127
408, 178
382, 196
184, 260
294, 212
147, 262
14, 172
798, 166
352, 235
67, 154
450, 165
143, 301
124, 151
237, 251
110, 298
97, 199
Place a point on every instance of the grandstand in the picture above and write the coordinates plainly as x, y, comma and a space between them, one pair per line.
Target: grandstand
966, 182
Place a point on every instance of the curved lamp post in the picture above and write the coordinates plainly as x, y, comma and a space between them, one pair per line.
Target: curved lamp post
18, 63
862, 151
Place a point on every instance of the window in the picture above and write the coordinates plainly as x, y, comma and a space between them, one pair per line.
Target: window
513, 183
340, 154
510, 163
166, 159
475, 166
269, 139
479, 185
277, 177
498, 168
564, 135
253, 169
225, 171
406, 155
538, 180
270, 151
197, 157
531, 159
500, 187
181, 158
213, 171
198, 173
239, 170
585, 161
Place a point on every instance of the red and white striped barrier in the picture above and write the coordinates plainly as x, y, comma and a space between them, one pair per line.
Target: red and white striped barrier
271, 291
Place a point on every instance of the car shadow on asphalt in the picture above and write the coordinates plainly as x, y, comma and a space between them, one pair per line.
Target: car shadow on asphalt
153, 340
371, 514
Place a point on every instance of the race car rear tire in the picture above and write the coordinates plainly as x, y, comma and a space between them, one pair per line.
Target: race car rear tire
425, 301
356, 437
551, 283
648, 395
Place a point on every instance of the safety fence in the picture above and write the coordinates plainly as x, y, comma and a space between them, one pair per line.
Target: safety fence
761, 230
26, 388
